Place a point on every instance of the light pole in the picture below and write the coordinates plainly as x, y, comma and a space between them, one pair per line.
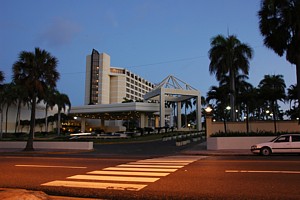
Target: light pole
228, 108
208, 120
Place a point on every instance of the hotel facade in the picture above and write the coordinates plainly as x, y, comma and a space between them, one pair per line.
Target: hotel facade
107, 85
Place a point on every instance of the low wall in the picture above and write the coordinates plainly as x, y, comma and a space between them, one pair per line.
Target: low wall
47, 145
288, 126
219, 143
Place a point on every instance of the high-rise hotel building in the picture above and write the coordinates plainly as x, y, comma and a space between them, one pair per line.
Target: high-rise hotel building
106, 84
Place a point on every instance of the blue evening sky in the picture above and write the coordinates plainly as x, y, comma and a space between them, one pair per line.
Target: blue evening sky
152, 38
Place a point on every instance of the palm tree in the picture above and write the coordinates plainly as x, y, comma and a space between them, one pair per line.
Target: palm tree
272, 89
187, 104
292, 98
292, 95
1, 77
241, 84
36, 71
279, 23
220, 96
49, 100
172, 104
229, 56
62, 101
9, 98
21, 99
247, 97
1, 100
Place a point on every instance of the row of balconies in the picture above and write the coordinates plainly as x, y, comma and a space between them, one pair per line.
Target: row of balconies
139, 82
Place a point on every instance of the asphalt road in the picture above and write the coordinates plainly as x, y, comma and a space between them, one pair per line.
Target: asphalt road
156, 177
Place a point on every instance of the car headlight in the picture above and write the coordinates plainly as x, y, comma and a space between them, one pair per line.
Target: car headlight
254, 147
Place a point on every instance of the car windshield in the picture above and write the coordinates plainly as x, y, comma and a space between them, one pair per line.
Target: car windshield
275, 138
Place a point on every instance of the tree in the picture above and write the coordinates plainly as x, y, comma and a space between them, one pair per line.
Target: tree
9, 97
279, 23
292, 95
292, 98
220, 97
21, 99
49, 100
229, 56
187, 104
1, 77
272, 89
62, 101
35, 71
1, 101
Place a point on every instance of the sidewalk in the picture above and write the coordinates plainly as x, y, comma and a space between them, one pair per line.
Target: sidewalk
198, 149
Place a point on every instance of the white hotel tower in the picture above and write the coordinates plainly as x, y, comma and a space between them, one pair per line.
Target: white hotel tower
107, 85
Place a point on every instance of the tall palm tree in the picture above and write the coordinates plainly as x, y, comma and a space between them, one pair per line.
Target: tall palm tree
229, 56
293, 98
187, 104
62, 101
21, 99
220, 97
1, 77
36, 71
1, 101
279, 23
292, 95
49, 101
272, 89
241, 84
9, 98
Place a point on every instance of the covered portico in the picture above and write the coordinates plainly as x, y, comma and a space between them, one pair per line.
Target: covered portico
171, 89
118, 111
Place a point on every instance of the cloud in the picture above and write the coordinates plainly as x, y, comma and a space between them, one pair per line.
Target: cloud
59, 32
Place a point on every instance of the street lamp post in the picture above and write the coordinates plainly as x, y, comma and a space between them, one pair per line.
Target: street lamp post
208, 120
228, 108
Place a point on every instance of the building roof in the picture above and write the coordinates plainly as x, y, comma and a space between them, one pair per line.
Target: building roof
115, 111
174, 89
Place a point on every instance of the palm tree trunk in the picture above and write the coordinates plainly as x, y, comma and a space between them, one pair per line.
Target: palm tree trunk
29, 145
274, 117
18, 117
232, 96
247, 119
46, 119
58, 122
1, 122
6, 116
225, 127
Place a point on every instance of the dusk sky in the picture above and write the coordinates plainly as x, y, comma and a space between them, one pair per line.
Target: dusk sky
152, 38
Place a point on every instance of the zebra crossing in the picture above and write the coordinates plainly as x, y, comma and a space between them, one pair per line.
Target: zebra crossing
132, 176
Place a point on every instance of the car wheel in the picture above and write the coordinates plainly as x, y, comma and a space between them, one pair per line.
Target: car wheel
265, 151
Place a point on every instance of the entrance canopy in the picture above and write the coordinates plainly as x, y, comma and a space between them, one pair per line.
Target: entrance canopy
172, 89
115, 111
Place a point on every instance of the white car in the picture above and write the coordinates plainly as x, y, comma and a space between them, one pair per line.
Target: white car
288, 143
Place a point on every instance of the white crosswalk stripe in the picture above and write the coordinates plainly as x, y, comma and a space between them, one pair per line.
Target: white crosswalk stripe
130, 176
